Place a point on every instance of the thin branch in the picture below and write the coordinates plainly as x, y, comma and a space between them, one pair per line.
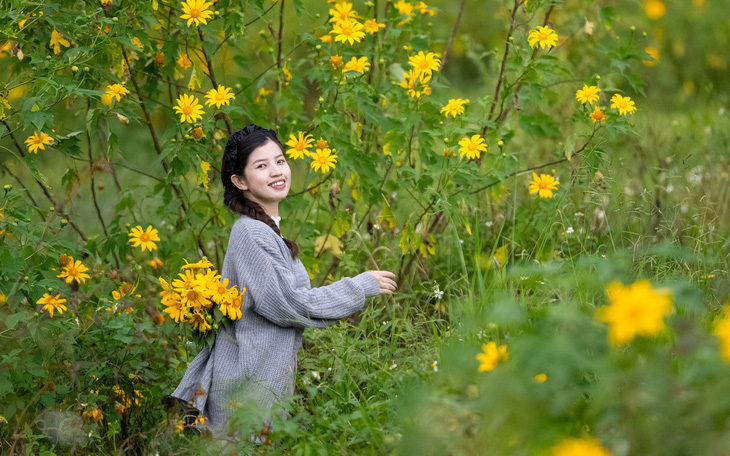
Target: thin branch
91, 175
453, 34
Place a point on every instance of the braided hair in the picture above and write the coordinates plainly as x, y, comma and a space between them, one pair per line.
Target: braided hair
240, 145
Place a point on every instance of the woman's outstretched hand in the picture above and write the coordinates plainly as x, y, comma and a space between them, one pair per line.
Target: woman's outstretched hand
387, 285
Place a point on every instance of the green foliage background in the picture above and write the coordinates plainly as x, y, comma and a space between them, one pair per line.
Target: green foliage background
640, 196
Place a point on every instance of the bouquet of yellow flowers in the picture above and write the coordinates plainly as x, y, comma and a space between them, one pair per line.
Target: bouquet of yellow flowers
199, 298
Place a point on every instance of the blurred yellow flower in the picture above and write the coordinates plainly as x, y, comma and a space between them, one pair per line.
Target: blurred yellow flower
372, 26
597, 115
654, 54
287, 74
220, 96
342, 12
491, 356
197, 133
95, 415
299, 146
357, 64
471, 147
543, 185
579, 447
722, 331
654, 9
544, 36
116, 91
348, 31
321, 144
196, 11
634, 309
454, 107
540, 378
404, 7
588, 94
184, 61
51, 303
424, 9
323, 160
199, 323
146, 239
414, 88
57, 40
189, 108
262, 93
37, 141
74, 271
327, 39
624, 104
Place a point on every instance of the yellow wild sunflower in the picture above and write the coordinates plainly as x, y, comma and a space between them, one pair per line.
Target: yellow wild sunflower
184, 62
342, 12
37, 141
189, 108
491, 356
146, 239
116, 91
74, 271
220, 96
323, 160
471, 147
579, 447
372, 26
199, 323
425, 63
624, 104
597, 115
348, 31
454, 107
57, 40
543, 185
196, 11
544, 36
588, 94
357, 64
52, 303
299, 146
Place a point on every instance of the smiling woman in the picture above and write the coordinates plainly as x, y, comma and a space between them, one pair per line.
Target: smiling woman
254, 360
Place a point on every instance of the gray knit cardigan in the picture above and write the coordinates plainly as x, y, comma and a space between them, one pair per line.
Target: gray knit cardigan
255, 358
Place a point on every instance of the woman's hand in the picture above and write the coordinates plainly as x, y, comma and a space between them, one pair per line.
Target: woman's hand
387, 285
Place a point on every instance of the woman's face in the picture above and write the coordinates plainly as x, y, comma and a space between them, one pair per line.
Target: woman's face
266, 165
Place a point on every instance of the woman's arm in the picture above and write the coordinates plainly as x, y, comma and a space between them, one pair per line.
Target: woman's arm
264, 271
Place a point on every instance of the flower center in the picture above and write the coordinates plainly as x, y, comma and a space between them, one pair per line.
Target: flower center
542, 185
542, 36
144, 237
221, 290
192, 295
72, 272
195, 13
347, 31
424, 64
472, 147
299, 146
37, 141
322, 159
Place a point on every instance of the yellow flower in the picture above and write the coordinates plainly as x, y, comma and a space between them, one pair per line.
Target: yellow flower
597, 115
189, 108
262, 93
155, 263
287, 74
200, 420
196, 10
588, 94
342, 13
722, 331
184, 61
321, 144
107, 99
543, 36
159, 58
231, 307
543, 185
357, 64
175, 308
579, 447
411, 83
180, 426
57, 40
74, 271
424, 9
335, 61
116, 91
95, 415
199, 323
491, 356
324, 159
424, 64
454, 107
372, 26
51, 303
654, 9
635, 309
350, 31
326, 38
144, 238
472, 147
654, 54
204, 263
299, 146
540, 378
404, 7
37, 141
624, 104
220, 96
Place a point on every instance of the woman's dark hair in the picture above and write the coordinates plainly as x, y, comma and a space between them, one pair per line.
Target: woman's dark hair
239, 147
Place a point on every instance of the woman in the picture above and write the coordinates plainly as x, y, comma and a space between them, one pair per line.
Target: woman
255, 359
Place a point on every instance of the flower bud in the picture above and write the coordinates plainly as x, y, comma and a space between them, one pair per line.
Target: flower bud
8, 187
318, 47
500, 143
381, 60
237, 86
74, 68
598, 77
633, 28
115, 19
217, 13
51, 208
50, 290
321, 100
188, 137
503, 154
64, 222
643, 34
48, 57
87, 69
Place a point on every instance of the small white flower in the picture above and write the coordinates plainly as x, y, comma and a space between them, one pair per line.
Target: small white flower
393, 195
435, 367
393, 366
603, 256
91, 432
188, 343
569, 230
77, 321
333, 349
84, 404
542, 283
578, 214
376, 226
461, 241
315, 374
489, 224
524, 277
438, 294
329, 369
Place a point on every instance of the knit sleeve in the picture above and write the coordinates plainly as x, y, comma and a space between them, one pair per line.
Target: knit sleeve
262, 268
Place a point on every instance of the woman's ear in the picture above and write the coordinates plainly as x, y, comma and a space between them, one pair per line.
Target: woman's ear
239, 182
